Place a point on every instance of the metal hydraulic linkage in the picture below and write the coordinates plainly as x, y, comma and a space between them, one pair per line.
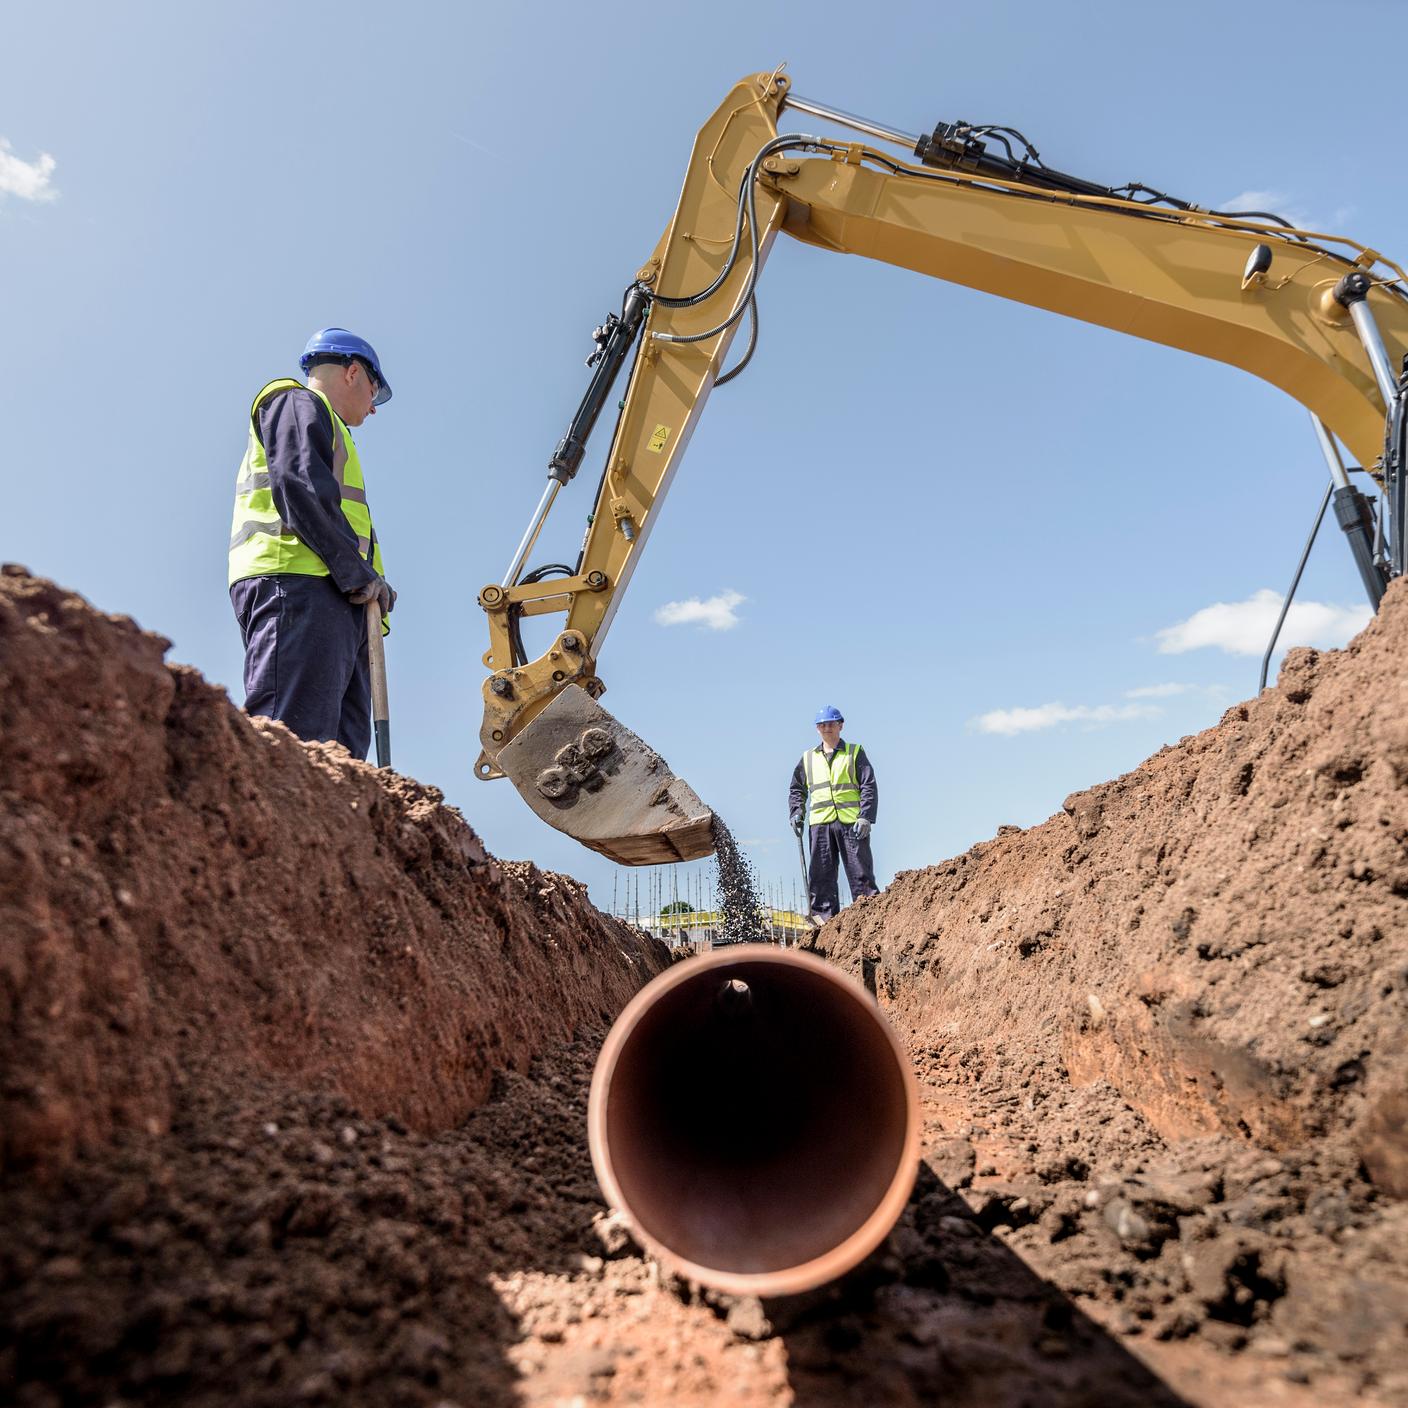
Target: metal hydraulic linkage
1396, 477
1355, 516
879, 130
1352, 293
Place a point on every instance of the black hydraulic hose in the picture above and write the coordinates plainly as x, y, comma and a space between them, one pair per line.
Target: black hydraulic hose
782, 143
749, 350
778, 144
690, 299
1148, 210
515, 611
938, 149
1136, 188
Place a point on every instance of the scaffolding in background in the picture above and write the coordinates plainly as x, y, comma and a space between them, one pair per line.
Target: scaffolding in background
680, 904
702, 929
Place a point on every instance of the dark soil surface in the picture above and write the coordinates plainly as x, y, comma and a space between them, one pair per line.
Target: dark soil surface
293, 1077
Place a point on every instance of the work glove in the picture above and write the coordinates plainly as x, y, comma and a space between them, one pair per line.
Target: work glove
796, 820
861, 829
377, 590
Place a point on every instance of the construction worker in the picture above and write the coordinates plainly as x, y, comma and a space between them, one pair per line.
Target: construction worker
834, 792
304, 559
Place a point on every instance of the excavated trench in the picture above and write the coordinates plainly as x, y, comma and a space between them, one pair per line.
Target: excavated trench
293, 1077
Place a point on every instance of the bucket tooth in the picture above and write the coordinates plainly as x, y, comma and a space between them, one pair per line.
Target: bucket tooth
589, 776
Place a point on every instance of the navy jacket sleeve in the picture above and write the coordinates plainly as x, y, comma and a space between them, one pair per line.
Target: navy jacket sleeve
869, 791
797, 793
297, 435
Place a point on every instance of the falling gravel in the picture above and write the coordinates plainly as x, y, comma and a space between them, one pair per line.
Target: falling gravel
738, 892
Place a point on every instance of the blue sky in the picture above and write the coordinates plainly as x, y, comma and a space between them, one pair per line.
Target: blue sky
1024, 516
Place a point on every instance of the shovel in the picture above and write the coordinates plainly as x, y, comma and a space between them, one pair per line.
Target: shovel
806, 883
376, 662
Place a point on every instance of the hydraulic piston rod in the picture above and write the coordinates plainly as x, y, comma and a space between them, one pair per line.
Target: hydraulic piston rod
1352, 292
535, 527
1352, 514
856, 124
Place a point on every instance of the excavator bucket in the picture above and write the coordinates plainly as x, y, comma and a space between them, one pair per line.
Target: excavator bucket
585, 774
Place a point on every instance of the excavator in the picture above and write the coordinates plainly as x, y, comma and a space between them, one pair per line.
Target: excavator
1319, 316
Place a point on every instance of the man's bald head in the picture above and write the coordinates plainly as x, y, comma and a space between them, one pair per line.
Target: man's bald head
349, 385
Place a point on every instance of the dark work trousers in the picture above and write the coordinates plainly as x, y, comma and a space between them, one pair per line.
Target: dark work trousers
305, 658
833, 842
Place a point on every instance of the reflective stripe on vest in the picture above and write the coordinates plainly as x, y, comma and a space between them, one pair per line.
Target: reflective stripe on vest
833, 792
261, 544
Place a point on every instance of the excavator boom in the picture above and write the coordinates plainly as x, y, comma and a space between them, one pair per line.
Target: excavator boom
1321, 317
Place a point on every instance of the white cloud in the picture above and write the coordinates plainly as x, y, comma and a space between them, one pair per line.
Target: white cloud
715, 612
29, 180
1274, 202
1158, 691
1013, 721
1244, 627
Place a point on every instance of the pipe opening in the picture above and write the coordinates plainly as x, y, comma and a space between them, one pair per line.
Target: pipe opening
758, 1116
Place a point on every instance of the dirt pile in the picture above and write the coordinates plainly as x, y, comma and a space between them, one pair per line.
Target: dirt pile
1165, 1034
293, 1078
180, 886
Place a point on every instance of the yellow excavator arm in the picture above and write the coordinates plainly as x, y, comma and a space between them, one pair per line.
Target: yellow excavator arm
1321, 317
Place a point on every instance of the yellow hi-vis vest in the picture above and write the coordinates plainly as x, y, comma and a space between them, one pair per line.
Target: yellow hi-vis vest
833, 791
261, 544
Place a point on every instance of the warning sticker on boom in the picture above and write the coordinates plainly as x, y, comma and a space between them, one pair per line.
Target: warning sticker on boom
658, 439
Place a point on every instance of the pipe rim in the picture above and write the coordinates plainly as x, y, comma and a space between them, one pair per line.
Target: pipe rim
807, 1275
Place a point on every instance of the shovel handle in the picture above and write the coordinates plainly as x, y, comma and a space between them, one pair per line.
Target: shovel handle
381, 708
806, 880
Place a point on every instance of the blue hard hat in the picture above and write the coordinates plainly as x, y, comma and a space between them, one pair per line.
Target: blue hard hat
338, 342
829, 715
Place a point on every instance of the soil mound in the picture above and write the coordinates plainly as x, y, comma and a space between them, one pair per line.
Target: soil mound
293, 1077
182, 886
1165, 1033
